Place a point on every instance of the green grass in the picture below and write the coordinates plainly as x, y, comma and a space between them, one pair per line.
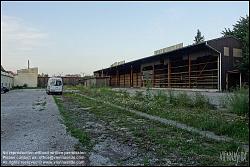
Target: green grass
81, 135
238, 102
196, 111
69, 122
162, 139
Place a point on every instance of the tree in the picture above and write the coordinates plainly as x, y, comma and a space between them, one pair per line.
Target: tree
198, 38
241, 31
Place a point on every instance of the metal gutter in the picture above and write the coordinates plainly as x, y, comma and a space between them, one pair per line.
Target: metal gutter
219, 63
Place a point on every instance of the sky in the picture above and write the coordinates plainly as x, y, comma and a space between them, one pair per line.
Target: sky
82, 37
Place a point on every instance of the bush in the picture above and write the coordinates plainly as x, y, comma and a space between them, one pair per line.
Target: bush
139, 95
200, 101
172, 99
17, 87
238, 102
25, 85
183, 100
161, 99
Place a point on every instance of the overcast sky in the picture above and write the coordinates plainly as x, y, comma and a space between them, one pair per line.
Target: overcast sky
81, 37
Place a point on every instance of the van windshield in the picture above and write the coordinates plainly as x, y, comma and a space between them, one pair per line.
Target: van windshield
58, 83
55, 82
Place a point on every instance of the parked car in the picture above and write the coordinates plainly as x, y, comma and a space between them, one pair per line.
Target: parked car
4, 89
55, 85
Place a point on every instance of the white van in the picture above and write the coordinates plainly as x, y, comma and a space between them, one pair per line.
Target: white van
55, 85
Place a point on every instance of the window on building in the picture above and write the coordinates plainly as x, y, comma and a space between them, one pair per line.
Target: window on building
237, 52
226, 51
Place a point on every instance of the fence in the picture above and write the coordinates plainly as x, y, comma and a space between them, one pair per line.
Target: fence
42, 81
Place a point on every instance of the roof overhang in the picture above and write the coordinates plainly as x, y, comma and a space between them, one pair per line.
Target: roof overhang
171, 54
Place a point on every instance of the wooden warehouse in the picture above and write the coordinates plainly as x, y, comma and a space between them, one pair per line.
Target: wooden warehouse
208, 65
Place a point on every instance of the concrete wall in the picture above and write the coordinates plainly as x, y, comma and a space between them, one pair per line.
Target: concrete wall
97, 82
26, 76
7, 80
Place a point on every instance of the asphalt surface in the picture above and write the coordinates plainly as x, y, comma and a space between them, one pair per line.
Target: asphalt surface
30, 121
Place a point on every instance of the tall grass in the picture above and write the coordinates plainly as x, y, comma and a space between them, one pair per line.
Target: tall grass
238, 102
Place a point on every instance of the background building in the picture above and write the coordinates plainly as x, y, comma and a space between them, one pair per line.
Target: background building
26, 76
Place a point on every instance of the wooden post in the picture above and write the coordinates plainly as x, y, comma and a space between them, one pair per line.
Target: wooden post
226, 81
124, 79
137, 79
169, 72
189, 71
117, 77
153, 75
131, 76
240, 80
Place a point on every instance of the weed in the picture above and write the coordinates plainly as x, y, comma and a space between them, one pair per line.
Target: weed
238, 102
146, 161
81, 135
165, 140
69, 123
180, 107
139, 95
183, 100
43, 103
200, 101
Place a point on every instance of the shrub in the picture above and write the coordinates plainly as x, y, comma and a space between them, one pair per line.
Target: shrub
25, 85
200, 101
161, 99
17, 87
183, 100
238, 102
139, 95
172, 99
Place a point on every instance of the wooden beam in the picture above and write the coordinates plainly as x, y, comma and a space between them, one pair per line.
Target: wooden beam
124, 80
131, 76
137, 80
153, 75
169, 73
116, 78
240, 80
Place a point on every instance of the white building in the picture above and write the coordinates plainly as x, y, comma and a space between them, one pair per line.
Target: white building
26, 76
7, 79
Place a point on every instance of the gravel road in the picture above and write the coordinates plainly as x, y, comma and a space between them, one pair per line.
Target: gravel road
30, 121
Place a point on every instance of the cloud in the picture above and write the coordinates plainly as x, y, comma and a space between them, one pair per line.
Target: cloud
17, 36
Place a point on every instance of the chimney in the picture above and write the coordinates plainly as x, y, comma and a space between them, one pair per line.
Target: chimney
28, 64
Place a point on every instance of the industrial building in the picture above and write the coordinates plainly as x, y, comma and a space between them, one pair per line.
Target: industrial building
7, 78
210, 65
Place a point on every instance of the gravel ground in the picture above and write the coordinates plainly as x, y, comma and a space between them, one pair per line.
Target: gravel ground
30, 121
